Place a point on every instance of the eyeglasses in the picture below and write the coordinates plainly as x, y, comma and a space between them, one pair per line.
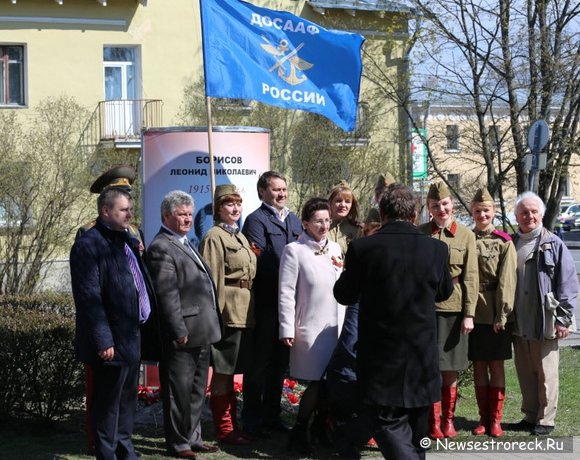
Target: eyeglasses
321, 221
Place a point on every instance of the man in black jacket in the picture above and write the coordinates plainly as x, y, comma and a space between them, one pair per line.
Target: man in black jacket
113, 296
396, 275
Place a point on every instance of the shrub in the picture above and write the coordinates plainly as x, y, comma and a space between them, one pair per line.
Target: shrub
40, 376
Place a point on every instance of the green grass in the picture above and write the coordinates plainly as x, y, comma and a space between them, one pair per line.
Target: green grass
26, 440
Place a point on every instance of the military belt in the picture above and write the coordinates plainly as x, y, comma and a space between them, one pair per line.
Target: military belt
487, 286
242, 284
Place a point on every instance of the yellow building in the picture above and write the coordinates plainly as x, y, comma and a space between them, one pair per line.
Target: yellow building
128, 61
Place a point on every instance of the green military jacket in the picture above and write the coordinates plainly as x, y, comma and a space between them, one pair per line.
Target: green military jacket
462, 265
497, 261
233, 266
343, 233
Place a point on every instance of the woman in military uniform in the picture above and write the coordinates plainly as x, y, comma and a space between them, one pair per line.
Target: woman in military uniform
490, 340
233, 266
344, 216
454, 315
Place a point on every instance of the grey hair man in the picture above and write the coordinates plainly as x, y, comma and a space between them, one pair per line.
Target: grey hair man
547, 287
189, 321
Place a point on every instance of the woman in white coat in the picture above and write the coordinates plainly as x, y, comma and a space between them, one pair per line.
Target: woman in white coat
310, 318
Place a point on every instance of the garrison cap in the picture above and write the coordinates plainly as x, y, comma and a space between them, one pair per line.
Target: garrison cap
438, 191
482, 195
121, 176
224, 190
383, 181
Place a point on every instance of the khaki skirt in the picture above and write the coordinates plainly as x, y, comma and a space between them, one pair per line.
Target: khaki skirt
452, 344
231, 354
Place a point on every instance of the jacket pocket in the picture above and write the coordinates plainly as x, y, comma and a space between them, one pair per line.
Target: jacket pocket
456, 255
192, 310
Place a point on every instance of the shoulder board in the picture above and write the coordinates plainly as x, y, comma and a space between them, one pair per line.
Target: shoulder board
503, 235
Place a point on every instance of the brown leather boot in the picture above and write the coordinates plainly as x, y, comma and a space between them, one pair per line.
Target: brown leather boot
222, 419
435, 421
496, 399
448, 400
482, 396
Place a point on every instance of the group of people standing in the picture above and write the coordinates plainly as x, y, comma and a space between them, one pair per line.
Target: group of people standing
272, 297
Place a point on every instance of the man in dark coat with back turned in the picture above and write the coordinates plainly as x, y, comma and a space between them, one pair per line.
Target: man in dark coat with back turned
396, 275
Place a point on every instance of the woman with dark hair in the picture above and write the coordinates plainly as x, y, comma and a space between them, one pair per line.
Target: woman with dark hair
344, 215
233, 265
310, 317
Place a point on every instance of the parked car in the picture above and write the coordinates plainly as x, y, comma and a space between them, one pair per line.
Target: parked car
569, 216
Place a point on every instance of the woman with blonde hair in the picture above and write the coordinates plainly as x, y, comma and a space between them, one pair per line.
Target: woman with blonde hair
344, 215
490, 340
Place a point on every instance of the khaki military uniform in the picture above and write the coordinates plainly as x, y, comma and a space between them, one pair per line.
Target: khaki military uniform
462, 265
497, 261
343, 233
233, 266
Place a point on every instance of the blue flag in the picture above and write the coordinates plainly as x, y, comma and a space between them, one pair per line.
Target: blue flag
280, 59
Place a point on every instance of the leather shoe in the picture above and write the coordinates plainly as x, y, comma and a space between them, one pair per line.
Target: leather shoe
277, 426
205, 448
542, 430
522, 425
185, 454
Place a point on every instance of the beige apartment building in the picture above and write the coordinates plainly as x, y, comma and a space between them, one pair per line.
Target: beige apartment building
453, 135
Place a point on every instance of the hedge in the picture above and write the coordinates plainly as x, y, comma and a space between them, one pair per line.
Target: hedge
40, 375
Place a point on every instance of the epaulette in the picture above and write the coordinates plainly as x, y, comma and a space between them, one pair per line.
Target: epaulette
503, 235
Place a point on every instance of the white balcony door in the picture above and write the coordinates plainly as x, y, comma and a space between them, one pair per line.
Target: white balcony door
121, 117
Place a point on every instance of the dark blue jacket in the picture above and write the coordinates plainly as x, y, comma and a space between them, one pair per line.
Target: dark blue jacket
269, 235
107, 306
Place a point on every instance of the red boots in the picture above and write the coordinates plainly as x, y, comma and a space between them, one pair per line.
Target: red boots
482, 397
435, 421
448, 400
490, 402
496, 399
224, 420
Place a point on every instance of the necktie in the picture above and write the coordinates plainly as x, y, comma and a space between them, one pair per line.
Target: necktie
144, 304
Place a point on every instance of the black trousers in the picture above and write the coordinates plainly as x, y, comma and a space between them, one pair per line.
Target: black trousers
113, 410
264, 376
397, 430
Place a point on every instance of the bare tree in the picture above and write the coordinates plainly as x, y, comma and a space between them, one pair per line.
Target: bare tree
43, 181
522, 55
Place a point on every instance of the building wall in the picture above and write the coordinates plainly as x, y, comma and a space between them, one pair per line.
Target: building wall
466, 163
67, 59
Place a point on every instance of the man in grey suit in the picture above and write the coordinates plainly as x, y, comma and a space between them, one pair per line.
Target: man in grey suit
190, 322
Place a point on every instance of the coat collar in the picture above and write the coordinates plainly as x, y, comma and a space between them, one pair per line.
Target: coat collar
449, 230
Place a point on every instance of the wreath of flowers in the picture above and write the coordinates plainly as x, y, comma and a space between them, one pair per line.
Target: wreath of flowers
292, 391
149, 395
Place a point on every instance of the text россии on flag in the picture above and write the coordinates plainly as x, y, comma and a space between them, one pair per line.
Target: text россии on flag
280, 59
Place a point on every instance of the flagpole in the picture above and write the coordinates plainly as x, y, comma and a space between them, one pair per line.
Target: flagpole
210, 146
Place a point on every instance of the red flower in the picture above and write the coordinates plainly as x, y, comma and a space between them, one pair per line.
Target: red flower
292, 398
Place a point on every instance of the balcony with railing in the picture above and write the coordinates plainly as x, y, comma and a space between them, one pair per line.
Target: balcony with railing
118, 123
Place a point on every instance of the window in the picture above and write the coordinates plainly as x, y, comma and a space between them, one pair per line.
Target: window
362, 122
11, 75
454, 181
452, 135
